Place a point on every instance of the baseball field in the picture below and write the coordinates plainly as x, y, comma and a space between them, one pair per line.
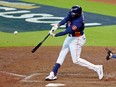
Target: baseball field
21, 68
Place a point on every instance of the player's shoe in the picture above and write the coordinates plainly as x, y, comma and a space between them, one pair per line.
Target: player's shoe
109, 53
51, 77
100, 72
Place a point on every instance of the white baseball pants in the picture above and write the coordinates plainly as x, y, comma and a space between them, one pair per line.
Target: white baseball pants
74, 45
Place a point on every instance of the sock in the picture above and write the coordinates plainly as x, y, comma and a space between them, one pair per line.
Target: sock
55, 68
114, 56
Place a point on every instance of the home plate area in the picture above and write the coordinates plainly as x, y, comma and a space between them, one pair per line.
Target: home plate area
39, 79
24, 69
64, 79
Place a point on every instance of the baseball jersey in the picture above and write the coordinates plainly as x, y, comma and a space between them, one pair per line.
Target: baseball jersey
74, 25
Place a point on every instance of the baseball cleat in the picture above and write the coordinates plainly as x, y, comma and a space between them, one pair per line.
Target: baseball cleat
100, 72
51, 77
109, 52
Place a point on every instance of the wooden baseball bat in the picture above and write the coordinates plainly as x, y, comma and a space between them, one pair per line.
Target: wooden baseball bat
38, 45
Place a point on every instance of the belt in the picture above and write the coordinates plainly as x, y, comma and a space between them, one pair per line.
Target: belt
78, 35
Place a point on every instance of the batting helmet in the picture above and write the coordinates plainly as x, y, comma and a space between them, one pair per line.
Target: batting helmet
76, 10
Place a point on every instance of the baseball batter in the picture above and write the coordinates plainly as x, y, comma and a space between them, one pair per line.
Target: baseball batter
74, 41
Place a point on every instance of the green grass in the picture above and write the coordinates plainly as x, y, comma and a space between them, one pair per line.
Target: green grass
97, 36
26, 39
101, 36
88, 6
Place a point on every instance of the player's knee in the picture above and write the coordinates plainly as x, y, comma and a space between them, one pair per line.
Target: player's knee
76, 61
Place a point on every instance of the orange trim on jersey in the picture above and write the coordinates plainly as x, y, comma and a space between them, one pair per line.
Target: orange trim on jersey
77, 34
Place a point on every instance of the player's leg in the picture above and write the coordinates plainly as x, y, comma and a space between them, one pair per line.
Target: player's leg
59, 62
75, 49
114, 56
75, 54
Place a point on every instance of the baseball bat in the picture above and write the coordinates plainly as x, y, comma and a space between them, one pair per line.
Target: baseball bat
38, 45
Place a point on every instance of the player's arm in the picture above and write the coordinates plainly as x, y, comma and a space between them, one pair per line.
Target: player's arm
65, 20
55, 26
68, 30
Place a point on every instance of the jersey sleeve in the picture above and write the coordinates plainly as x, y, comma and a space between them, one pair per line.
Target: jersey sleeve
68, 30
62, 22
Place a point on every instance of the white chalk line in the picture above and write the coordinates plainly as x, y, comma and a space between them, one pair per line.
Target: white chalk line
36, 74
12, 74
27, 78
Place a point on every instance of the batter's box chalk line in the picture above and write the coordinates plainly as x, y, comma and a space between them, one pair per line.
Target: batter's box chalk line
12, 74
27, 78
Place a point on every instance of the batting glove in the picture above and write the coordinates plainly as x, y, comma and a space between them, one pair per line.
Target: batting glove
51, 33
54, 28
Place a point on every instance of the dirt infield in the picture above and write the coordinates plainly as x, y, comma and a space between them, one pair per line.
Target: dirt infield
21, 68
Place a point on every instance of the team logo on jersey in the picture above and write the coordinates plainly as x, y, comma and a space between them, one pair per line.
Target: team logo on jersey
74, 27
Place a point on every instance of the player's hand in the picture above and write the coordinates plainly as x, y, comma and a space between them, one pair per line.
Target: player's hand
51, 33
54, 27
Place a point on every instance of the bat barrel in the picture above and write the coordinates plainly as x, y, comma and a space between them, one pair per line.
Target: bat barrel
34, 49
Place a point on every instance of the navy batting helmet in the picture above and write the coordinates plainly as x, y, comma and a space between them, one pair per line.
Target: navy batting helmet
76, 10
